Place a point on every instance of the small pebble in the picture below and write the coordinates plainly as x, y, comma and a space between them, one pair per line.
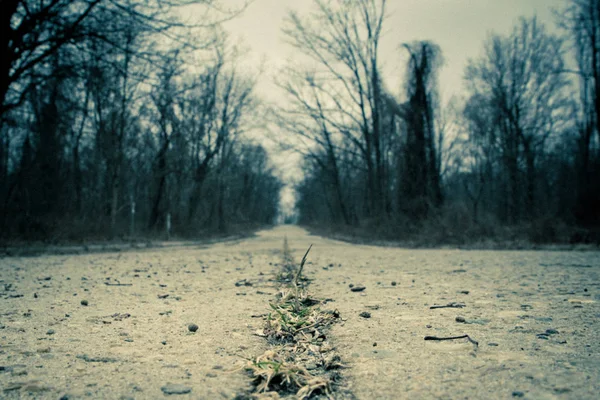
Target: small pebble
192, 327
394, 283
50, 332
84, 302
517, 393
365, 314
358, 288
164, 342
174, 388
460, 319
374, 344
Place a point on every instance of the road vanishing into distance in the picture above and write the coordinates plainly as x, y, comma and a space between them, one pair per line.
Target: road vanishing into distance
120, 325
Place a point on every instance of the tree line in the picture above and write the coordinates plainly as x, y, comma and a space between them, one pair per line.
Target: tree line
521, 148
120, 117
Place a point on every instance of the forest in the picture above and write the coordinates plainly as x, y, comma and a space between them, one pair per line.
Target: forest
119, 118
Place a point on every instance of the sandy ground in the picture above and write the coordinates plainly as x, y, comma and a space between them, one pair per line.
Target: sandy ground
536, 316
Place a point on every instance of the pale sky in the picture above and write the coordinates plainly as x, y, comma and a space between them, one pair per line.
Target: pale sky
459, 27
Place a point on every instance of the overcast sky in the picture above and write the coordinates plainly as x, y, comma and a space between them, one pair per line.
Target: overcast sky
459, 27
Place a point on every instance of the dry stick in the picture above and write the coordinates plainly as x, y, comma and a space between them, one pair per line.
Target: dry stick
453, 338
298, 276
449, 305
302, 265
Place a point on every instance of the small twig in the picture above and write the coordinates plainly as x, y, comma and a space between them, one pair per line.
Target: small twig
301, 266
298, 277
453, 338
118, 284
449, 305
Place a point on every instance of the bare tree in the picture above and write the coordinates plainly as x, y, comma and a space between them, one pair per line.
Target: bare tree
317, 136
164, 98
420, 172
581, 19
342, 38
34, 30
100, 125
519, 78
215, 112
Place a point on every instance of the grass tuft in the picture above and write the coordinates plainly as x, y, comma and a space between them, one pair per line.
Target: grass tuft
271, 372
301, 362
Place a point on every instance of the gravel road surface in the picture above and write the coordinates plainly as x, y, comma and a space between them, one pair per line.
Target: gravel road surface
122, 325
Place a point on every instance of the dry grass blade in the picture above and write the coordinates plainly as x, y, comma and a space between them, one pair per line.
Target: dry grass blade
298, 274
301, 266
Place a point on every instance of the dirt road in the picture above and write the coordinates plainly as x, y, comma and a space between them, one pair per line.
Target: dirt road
116, 325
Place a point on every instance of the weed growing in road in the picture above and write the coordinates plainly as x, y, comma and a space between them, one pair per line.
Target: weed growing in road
271, 372
301, 362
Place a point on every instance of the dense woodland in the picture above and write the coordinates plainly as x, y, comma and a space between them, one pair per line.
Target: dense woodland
119, 118
517, 157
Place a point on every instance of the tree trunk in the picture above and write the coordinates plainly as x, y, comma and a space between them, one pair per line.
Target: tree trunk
7, 10
530, 198
162, 178
199, 178
593, 31
512, 167
114, 203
